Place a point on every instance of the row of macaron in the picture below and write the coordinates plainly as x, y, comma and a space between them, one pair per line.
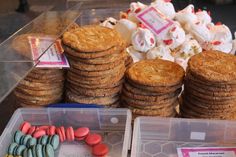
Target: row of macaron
49, 137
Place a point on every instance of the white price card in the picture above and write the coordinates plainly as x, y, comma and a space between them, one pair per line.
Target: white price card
207, 152
154, 20
53, 57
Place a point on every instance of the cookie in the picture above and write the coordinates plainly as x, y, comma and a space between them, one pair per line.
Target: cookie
92, 38
213, 66
98, 67
71, 97
162, 113
156, 73
94, 92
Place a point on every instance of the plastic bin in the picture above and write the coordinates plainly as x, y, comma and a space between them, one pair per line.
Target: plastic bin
113, 124
160, 137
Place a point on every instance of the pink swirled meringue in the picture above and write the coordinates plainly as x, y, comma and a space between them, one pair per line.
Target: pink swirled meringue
161, 52
203, 17
220, 46
136, 55
143, 40
166, 7
109, 22
221, 33
126, 28
175, 37
134, 9
187, 15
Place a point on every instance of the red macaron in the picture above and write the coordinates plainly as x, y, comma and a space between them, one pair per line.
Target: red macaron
31, 130
25, 126
93, 139
100, 150
51, 130
39, 133
81, 133
70, 134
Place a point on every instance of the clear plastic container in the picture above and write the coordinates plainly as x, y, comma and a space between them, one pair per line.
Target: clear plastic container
160, 137
113, 124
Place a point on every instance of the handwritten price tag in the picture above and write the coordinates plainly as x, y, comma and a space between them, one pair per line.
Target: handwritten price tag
154, 20
53, 57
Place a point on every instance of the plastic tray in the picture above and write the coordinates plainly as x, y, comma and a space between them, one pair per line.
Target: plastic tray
160, 137
113, 124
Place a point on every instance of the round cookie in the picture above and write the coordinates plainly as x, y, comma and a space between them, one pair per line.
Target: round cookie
214, 66
156, 73
91, 38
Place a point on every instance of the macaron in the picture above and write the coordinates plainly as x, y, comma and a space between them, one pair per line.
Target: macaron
25, 139
43, 127
54, 141
43, 140
17, 136
51, 130
81, 133
39, 133
93, 139
19, 150
12, 148
31, 142
31, 130
63, 132
25, 126
58, 131
39, 150
70, 134
100, 150
49, 152
27, 153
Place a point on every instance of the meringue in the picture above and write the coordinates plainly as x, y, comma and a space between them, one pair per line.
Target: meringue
136, 55
175, 37
143, 40
186, 15
221, 33
109, 22
189, 48
166, 8
182, 62
161, 52
126, 29
220, 46
134, 9
203, 17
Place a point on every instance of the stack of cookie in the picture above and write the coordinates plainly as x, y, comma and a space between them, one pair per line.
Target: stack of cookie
96, 55
152, 87
210, 87
40, 87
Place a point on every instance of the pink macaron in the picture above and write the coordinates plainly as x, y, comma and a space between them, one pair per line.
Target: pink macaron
58, 131
51, 130
25, 126
39, 133
70, 134
100, 150
63, 132
43, 127
81, 133
31, 130
93, 139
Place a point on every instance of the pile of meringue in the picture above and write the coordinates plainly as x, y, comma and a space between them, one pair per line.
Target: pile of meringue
192, 32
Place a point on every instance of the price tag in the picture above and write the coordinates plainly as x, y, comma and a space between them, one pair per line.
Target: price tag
154, 20
207, 152
53, 57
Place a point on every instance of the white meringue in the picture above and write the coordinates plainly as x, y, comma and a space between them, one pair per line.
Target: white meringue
126, 29
167, 8
161, 52
220, 46
143, 39
136, 55
182, 62
109, 22
176, 36
134, 9
203, 17
221, 33
189, 48
186, 15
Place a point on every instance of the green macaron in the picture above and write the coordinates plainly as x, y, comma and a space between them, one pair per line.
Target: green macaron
12, 148
31, 142
17, 136
34, 151
44, 140
25, 139
39, 150
49, 151
54, 141
20, 149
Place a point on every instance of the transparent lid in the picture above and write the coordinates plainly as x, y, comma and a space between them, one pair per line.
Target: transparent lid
16, 60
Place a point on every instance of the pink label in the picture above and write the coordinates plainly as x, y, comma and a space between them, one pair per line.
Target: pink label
154, 20
207, 152
53, 57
